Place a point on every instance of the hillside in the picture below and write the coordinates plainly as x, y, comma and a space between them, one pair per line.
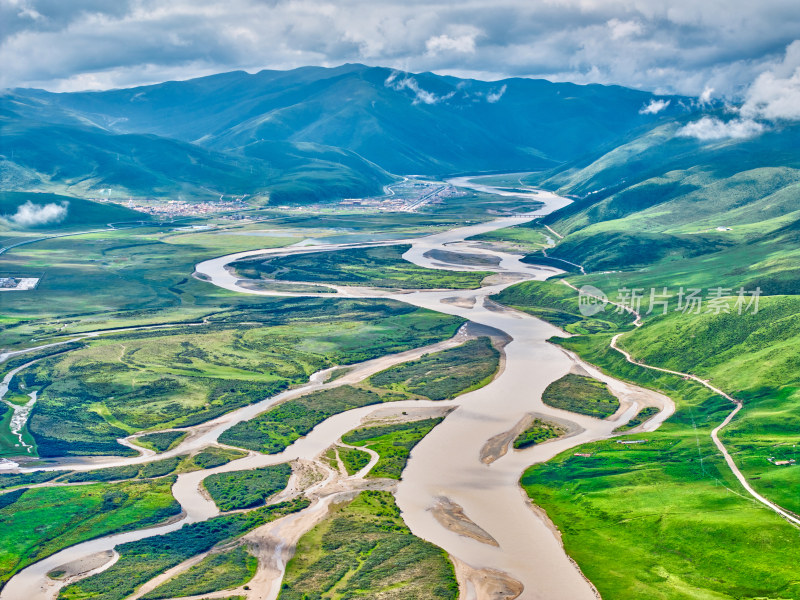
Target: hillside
406, 123
74, 157
659, 203
26, 211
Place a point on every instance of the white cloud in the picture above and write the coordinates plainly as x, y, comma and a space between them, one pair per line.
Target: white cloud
444, 43
654, 107
775, 94
705, 95
677, 46
711, 128
623, 29
30, 214
493, 97
420, 95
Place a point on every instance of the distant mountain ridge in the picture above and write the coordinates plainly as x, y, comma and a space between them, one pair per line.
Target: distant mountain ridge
345, 128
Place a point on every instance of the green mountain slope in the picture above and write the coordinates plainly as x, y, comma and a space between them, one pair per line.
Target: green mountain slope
79, 159
406, 123
665, 209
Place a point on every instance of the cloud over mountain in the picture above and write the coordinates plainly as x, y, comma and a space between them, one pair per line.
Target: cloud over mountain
679, 46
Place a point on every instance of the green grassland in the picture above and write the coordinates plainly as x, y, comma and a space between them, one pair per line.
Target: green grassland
445, 374
664, 519
127, 382
118, 278
527, 237
277, 428
353, 459
10, 480
392, 442
752, 357
213, 456
142, 560
159, 468
466, 367
537, 432
580, 394
246, 489
657, 221
42, 521
219, 571
364, 550
374, 267
161, 441
557, 303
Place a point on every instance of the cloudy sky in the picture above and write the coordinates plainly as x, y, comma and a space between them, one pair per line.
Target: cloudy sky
684, 46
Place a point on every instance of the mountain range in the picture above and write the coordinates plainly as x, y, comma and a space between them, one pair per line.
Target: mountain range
308, 134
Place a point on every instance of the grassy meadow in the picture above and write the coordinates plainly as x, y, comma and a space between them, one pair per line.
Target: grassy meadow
393, 443
581, 394
246, 489
537, 432
466, 367
142, 560
445, 374
381, 267
353, 459
127, 382
224, 570
363, 549
666, 519
527, 237
41, 521
557, 303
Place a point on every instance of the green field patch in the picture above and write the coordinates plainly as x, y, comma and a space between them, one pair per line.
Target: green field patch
445, 374
276, 429
381, 266
363, 549
160, 441
392, 442
219, 571
42, 521
246, 489
353, 459
527, 236
581, 394
142, 560
211, 457
537, 432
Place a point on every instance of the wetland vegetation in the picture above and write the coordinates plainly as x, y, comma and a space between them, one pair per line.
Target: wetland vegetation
180, 376
392, 442
142, 560
246, 489
41, 521
581, 394
381, 266
537, 432
223, 570
363, 549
